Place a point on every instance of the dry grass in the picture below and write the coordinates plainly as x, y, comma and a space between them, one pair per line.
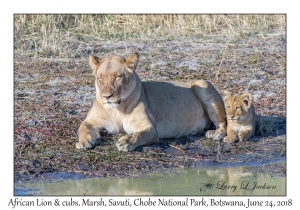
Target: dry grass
267, 125
52, 35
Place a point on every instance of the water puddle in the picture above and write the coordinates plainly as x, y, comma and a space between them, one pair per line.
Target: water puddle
216, 181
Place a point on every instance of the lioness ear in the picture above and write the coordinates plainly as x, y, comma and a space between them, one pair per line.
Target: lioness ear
226, 95
247, 98
132, 61
94, 63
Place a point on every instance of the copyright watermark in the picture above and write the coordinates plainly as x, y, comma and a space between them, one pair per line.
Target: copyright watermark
245, 185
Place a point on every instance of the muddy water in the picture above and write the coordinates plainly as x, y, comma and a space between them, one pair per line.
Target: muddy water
218, 181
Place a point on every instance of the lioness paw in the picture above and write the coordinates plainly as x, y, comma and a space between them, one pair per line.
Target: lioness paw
215, 134
124, 144
85, 144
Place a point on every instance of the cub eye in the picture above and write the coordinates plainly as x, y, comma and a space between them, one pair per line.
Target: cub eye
98, 78
228, 107
237, 107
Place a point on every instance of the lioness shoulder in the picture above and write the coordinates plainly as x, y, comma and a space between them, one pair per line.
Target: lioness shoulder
240, 115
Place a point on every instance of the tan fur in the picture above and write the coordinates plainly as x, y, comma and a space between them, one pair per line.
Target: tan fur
240, 115
147, 111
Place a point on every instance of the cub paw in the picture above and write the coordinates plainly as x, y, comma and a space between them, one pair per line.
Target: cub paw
242, 137
215, 134
229, 139
123, 144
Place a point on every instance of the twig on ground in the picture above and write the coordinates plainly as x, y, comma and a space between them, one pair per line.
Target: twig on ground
177, 148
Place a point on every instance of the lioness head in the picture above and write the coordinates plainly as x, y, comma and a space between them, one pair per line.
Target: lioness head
114, 78
236, 106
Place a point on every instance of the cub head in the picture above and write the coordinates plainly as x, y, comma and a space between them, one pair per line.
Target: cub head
236, 106
115, 78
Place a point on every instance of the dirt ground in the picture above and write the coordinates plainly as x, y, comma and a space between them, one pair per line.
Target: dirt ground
53, 95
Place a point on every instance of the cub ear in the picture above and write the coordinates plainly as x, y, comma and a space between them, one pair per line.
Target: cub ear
226, 95
132, 61
247, 99
94, 63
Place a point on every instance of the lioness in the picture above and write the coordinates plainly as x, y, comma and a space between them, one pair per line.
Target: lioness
240, 116
147, 111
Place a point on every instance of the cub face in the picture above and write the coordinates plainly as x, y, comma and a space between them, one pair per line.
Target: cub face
236, 106
114, 78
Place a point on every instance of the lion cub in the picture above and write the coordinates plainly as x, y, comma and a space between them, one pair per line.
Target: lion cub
240, 115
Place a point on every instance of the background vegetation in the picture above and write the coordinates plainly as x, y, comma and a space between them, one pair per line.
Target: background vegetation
51, 35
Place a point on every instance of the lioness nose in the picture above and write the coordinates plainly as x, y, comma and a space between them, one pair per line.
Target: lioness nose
107, 97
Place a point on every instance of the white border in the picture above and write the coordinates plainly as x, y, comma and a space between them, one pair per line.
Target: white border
154, 6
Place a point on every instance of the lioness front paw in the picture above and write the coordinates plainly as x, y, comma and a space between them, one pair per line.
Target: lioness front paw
215, 134
85, 144
123, 144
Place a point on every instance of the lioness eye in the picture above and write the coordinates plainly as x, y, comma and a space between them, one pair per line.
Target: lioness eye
118, 76
237, 107
228, 107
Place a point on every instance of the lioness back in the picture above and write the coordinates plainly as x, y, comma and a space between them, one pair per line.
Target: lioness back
176, 110
240, 115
